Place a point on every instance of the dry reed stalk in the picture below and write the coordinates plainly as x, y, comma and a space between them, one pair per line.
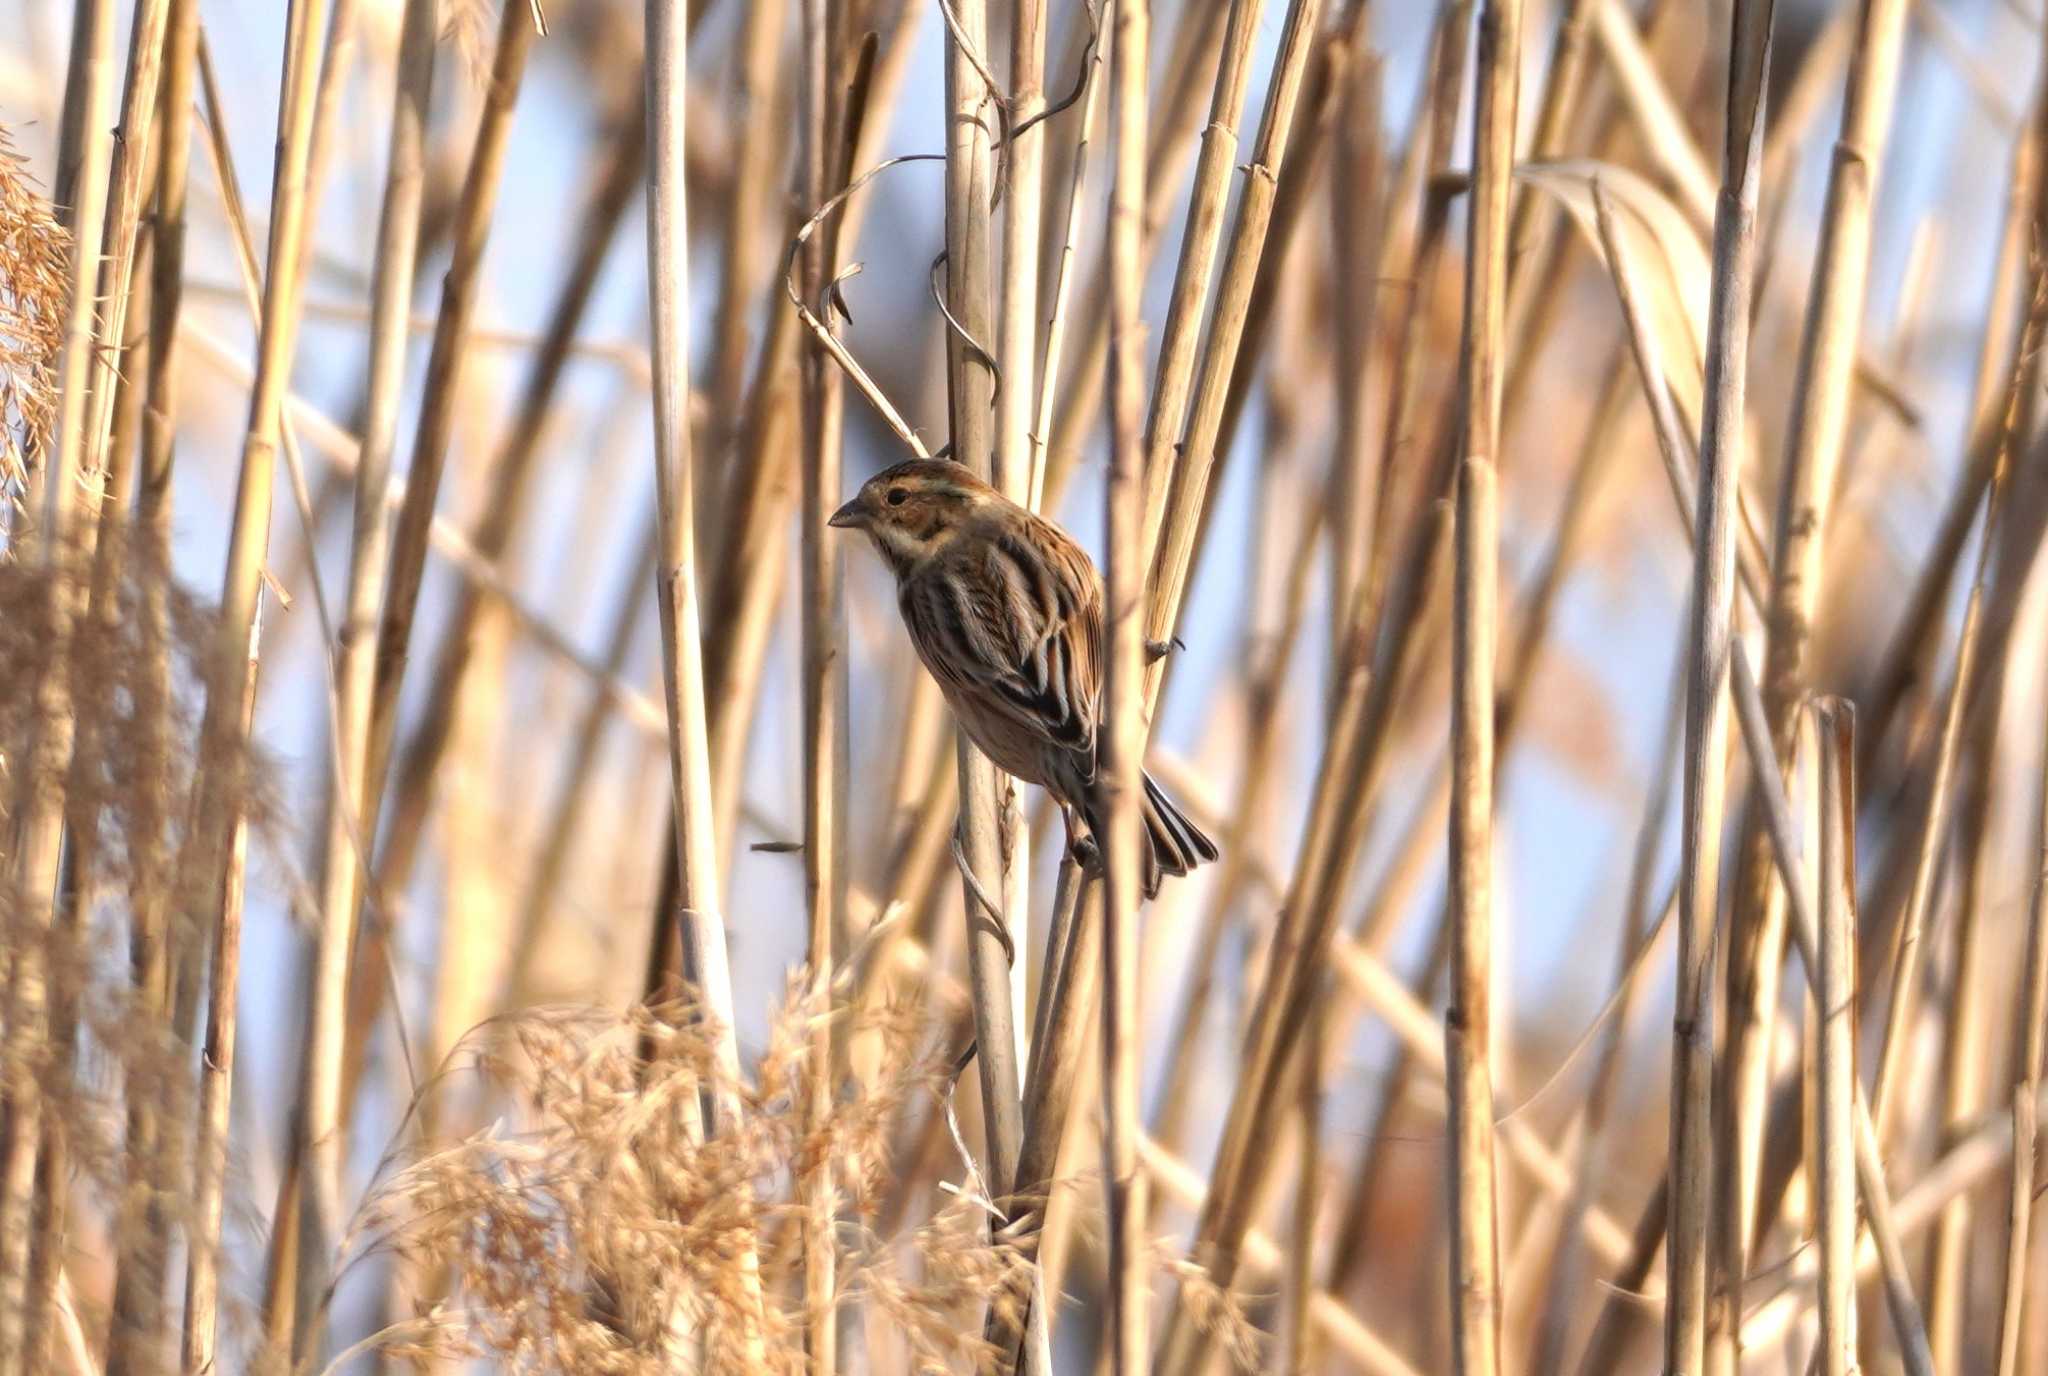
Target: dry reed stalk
1655, 112
509, 488
38, 803
1433, 146
1180, 473
199, 1345
1057, 313
1360, 214
1475, 1296
1409, 1018
136, 1337
1298, 1351
1934, 831
1123, 744
1016, 350
151, 933
1814, 445
1194, 52
134, 146
349, 843
1887, 1225
320, 1132
1701, 1181
1689, 1280
697, 914
339, 449
969, 290
1235, 869
1898, 668
1962, 1073
1322, 95
764, 485
1980, 1146
1553, 1334
759, 95
1392, 896
2029, 1050
1834, 727
824, 691
79, 117
1329, 1321
1200, 238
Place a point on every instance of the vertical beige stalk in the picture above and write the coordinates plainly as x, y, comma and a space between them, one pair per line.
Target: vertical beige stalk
2030, 1041
507, 486
824, 675
132, 147
1475, 1296
1123, 717
1170, 536
38, 804
366, 701
216, 1085
698, 917
1934, 829
1199, 241
1010, 469
1963, 1073
1725, 1205
1822, 391
348, 842
1058, 314
970, 125
1834, 727
151, 934
1707, 719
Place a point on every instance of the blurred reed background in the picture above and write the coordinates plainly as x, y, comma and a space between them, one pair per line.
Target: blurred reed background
488, 887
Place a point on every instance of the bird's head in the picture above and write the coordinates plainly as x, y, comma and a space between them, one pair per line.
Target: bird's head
911, 510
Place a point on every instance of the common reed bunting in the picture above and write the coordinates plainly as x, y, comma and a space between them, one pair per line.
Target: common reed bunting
1006, 612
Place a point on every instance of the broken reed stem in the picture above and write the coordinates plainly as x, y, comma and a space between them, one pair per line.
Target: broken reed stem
1835, 999
1123, 720
1706, 728
38, 801
824, 691
970, 291
1475, 1296
697, 913
1774, 810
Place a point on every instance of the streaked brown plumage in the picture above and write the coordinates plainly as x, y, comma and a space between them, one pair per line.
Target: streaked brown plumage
1006, 612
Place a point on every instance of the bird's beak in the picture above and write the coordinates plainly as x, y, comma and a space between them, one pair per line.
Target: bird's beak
850, 516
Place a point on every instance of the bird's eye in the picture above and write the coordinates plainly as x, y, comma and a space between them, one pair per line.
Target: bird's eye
898, 496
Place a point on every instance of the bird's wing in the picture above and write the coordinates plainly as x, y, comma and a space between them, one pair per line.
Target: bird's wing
1017, 621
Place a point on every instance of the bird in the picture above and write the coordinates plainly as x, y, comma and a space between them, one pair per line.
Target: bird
1005, 611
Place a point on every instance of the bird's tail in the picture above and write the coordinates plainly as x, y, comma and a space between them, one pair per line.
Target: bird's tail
1170, 842
1173, 844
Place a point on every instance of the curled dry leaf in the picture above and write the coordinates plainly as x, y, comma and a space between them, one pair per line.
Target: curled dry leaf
1665, 257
